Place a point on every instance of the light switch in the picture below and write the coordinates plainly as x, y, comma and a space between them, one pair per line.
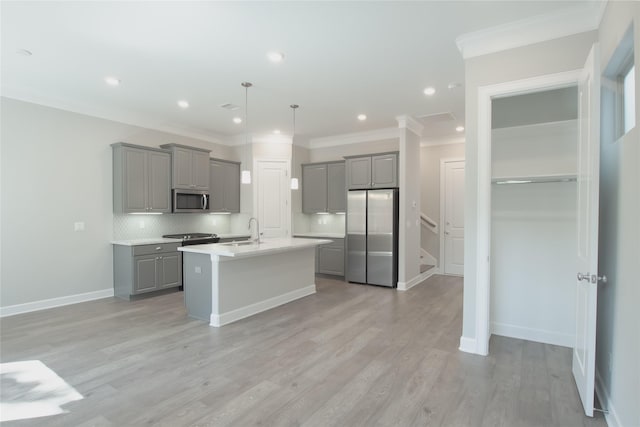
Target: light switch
198, 270
78, 226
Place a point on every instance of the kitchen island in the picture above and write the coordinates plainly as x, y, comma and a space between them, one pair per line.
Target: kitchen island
226, 282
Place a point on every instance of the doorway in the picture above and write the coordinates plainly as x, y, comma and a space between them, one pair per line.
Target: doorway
452, 216
272, 197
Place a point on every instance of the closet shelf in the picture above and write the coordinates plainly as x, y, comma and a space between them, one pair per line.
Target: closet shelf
533, 179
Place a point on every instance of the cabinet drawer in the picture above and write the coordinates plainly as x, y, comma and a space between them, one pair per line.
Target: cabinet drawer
155, 249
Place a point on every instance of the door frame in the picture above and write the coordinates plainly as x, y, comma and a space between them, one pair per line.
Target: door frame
480, 345
287, 164
443, 163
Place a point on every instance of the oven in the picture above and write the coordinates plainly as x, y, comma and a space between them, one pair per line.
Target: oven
189, 239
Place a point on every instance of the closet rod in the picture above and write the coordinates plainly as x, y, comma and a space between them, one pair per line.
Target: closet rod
503, 181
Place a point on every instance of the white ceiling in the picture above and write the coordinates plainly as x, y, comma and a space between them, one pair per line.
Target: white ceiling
341, 59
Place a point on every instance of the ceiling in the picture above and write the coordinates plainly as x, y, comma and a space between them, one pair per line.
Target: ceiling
341, 59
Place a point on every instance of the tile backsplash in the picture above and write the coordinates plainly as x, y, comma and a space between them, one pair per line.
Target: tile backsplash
330, 223
147, 226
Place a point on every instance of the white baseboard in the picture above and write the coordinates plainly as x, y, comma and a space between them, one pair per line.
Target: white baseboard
249, 310
44, 304
468, 345
529, 334
427, 258
611, 416
405, 286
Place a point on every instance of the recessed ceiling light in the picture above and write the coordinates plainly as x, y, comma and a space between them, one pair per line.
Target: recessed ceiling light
362, 117
429, 91
276, 131
275, 56
237, 120
183, 104
112, 81
24, 52
459, 128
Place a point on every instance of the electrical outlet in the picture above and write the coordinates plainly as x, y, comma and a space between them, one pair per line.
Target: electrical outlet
198, 270
78, 226
141, 224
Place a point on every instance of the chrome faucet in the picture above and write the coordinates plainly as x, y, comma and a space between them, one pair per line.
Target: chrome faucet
257, 238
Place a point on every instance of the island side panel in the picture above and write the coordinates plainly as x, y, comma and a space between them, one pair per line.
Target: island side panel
250, 285
198, 285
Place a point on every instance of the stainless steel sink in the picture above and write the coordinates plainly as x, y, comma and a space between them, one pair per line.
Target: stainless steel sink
241, 243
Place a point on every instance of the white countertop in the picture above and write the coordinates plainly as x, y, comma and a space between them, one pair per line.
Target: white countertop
267, 246
320, 235
145, 241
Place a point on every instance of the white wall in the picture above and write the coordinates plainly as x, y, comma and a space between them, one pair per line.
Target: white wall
57, 170
338, 152
430, 157
409, 220
618, 340
564, 54
533, 248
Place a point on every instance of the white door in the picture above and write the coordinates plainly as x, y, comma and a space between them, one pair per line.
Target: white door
453, 218
273, 194
584, 352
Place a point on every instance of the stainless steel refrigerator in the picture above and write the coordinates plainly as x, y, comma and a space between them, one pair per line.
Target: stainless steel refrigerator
372, 237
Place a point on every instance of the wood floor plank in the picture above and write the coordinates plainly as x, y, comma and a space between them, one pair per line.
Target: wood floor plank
348, 355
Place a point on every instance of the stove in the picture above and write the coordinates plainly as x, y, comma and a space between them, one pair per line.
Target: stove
194, 238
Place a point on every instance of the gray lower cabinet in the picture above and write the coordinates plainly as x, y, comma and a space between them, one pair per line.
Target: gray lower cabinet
224, 186
141, 179
146, 268
374, 171
323, 187
330, 258
189, 167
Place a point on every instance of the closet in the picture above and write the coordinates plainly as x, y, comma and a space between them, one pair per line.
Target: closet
533, 216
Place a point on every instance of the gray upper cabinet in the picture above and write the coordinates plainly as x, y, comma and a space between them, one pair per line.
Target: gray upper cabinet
189, 167
377, 171
323, 187
336, 190
141, 179
384, 171
314, 188
359, 172
224, 186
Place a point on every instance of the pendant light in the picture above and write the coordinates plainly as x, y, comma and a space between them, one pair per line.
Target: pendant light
245, 175
294, 181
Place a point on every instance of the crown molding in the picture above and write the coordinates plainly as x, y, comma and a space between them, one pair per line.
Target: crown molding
442, 141
138, 120
408, 122
532, 30
354, 138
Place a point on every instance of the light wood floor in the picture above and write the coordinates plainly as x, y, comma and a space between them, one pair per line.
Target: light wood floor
351, 355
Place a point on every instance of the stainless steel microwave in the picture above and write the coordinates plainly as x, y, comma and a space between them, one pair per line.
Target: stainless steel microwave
190, 201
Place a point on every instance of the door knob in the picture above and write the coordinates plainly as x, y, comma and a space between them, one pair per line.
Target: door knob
582, 277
